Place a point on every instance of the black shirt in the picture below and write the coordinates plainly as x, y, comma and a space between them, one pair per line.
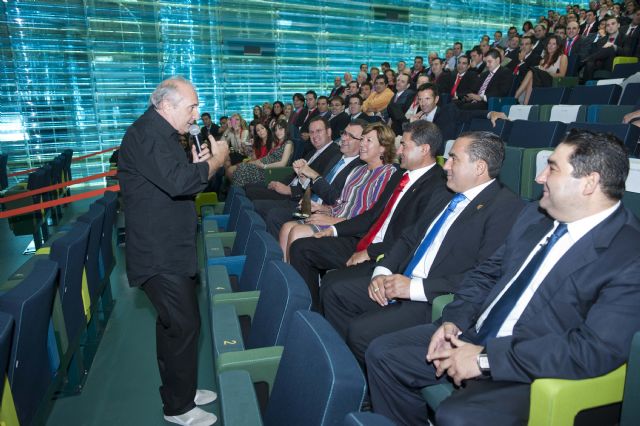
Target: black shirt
157, 184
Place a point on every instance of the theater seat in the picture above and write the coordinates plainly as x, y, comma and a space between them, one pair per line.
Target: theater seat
608, 114
271, 311
318, 381
595, 95
502, 128
548, 95
522, 112
627, 133
227, 222
222, 207
367, 418
532, 134
631, 94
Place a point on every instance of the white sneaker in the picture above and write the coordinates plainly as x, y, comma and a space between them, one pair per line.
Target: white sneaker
194, 417
204, 397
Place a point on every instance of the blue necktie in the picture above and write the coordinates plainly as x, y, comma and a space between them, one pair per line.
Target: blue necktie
329, 178
503, 307
428, 240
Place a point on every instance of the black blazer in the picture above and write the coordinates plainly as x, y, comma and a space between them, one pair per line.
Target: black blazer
322, 164
500, 84
566, 330
338, 124
398, 107
479, 230
412, 206
630, 43
468, 84
445, 119
330, 192
303, 124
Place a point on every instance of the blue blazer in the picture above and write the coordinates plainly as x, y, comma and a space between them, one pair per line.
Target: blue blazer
582, 318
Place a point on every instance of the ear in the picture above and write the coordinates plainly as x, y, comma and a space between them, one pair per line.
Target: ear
482, 168
591, 183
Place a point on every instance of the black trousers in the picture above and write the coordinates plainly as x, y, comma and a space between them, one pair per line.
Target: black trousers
397, 370
346, 305
177, 331
313, 256
275, 213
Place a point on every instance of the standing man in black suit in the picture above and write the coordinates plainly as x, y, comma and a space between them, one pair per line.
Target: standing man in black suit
322, 159
431, 258
158, 184
559, 299
496, 82
400, 103
326, 189
405, 199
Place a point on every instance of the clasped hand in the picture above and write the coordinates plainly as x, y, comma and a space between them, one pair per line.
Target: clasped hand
453, 356
385, 287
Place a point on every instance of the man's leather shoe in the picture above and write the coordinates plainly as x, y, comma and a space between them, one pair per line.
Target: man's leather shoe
194, 417
204, 397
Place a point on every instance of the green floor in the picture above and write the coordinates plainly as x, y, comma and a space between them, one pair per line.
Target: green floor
122, 384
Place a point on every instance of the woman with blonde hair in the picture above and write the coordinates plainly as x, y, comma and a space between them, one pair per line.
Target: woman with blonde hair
361, 190
237, 136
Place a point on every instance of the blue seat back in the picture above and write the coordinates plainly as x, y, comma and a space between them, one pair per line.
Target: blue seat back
239, 203
608, 114
367, 418
248, 222
284, 292
69, 251
594, 95
6, 336
95, 219
625, 70
502, 129
548, 95
233, 192
627, 133
31, 304
318, 380
535, 134
261, 250
108, 260
631, 94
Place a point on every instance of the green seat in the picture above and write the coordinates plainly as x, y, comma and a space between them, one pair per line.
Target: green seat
533, 161
564, 81
510, 174
608, 114
563, 113
631, 197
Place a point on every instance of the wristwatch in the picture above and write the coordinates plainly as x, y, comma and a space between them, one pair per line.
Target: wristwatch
483, 364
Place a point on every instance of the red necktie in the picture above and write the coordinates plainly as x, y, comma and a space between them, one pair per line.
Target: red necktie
515, 70
455, 86
369, 236
611, 39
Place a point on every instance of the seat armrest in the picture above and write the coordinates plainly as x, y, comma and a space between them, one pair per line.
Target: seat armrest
222, 219
238, 402
261, 363
245, 302
225, 329
213, 246
234, 264
556, 402
217, 280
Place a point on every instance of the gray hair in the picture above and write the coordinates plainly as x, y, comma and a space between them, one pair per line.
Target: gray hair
168, 90
488, 147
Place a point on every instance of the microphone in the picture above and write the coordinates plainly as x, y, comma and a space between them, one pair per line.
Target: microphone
194, 131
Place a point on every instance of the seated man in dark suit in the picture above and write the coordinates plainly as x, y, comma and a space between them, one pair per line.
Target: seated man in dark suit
431, 258
338, 119
558, 299
463, 82
324, 156
604, 50
400, 103
326, 189
576, 47
360, 240
631, 33
442, 116
355, 109
496, 82
526, 58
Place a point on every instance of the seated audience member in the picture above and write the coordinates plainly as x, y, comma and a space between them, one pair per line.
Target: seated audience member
539, 39
526, 58
348, 78
355, 110
553, 64
350, 90
631, 46
237, 136
442, 116
559, 299
323, 107
400, 103
463, 82
262, 141
575, 46
511, 51
561, 32
338, 119
365, 90
374, 73
604, 50
438, 75
495, 82
278, 111
257, 118
361, 189
430, 57
209, 128
416, 70
267, 114
278, 156
368, 235
337, 87
431, 258
224, 123
401, 66
498, 40
378, 100
449, 60
323, 157
477, 60
298, 105
362, 78
326, 189
413, 108
309, 111
391, 79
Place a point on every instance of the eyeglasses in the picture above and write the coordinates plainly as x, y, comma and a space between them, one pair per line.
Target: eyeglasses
344, 133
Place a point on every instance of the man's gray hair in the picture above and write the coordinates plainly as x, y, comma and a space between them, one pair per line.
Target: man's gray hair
168, 90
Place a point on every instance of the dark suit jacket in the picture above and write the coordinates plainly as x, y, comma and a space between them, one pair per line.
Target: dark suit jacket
445, 119
479, 230
581, 47
530, 61
470, 83
583, 315
303, 124
338, 124
500, 84
592, 30
630, 43
411, 207
397, 108
322, 164
367, 118
330, 192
